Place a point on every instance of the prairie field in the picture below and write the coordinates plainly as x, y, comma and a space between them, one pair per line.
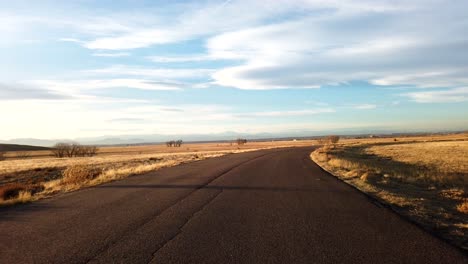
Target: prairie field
37, 174
425, 180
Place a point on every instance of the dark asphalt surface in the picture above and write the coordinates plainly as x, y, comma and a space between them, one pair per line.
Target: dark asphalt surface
271, 206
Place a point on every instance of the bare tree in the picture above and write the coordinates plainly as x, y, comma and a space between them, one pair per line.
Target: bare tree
322, 141
23, 155
60, 150
91, 151
73, 150
241, 141
333, 139
174, 143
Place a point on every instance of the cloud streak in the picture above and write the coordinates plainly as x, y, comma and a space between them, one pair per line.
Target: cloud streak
454, 95
17, 91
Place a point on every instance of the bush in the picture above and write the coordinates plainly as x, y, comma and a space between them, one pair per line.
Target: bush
12, 190
463, 207
77, 174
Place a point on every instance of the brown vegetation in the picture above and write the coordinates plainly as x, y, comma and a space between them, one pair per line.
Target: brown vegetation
23, 155
425, 181
463, 207
174, 143
241, 141
333, 139
61, 150
78, 174
15, 190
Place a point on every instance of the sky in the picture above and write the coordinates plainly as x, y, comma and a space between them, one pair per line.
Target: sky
77, 69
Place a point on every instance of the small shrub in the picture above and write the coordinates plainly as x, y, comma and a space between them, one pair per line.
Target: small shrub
463, 207
77, 174
13, 190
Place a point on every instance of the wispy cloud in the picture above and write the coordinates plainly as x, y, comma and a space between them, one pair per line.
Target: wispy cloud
365, 106
112, 55
73, 40
181, 58
440, 96
18, 91
307, 112
72, 86
167, 73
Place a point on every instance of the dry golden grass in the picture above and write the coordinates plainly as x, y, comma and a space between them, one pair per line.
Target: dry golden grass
59, 175
78, 174
424, 180
162, 148
445, 157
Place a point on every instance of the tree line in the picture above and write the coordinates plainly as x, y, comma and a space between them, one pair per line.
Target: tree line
174, 143
70, 150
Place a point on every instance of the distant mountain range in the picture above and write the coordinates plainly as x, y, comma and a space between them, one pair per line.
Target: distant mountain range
159, 138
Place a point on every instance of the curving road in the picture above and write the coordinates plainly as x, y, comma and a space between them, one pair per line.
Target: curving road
271, 206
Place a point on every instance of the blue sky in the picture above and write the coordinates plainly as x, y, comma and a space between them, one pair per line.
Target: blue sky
74, 69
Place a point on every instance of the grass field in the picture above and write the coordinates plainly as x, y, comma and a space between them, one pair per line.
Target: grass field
424, 179
38, 174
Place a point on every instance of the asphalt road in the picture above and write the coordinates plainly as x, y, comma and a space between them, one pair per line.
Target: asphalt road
273, 206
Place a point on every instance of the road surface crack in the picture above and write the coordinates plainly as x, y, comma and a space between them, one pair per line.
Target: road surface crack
181, 227
150, 218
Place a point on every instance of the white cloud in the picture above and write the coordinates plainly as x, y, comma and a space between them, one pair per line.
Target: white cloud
445, 96
74, 86
166, 73
205, 19
365, 106
112, 55
287, 44
180, 58
332, 48
74, 40
288, 113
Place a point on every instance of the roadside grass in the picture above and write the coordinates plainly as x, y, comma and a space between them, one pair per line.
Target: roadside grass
18, 192
426, 181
